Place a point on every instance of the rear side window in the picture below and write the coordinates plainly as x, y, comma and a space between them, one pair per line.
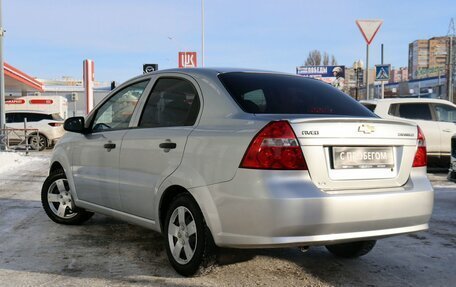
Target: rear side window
172, 102
286, 94
415, 111
34, 117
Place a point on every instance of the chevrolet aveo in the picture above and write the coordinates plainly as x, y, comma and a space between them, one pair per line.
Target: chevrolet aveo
243, 159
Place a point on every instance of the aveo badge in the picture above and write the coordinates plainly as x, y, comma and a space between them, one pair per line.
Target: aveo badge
366, 129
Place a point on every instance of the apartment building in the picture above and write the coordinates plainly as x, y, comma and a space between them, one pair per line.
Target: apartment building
428, 58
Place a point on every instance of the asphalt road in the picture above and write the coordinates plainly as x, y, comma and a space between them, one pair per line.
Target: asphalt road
34, 251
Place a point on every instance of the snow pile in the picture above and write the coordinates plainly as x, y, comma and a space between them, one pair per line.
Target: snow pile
11, 161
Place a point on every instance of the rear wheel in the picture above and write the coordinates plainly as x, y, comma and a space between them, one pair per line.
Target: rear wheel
352, 249
58, 202
188, 240
38, 142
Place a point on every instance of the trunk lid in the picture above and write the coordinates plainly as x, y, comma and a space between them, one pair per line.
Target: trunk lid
356, 153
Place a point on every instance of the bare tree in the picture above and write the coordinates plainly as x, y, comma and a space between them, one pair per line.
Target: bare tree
314, 58
325, 59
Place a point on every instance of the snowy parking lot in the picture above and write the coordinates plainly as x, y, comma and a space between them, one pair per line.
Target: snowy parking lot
34, 251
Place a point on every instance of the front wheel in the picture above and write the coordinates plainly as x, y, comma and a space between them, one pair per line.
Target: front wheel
58, 202
352, 249
188, 240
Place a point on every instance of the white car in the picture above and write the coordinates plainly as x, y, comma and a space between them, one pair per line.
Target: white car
50, 127
434, 116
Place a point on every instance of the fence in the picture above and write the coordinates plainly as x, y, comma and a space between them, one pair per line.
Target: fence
19, 139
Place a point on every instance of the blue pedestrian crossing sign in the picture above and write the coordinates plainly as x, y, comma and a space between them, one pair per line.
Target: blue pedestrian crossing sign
382, 72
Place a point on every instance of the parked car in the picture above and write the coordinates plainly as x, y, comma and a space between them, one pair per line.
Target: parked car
242, 159
50, 127
437, 119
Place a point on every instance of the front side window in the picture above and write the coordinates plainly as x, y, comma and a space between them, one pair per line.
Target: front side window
445, 113
261, 93
9, 118
172, 102
116, 113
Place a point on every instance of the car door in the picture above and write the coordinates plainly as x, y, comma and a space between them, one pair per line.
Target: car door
421, 114
96, 154
154, 150
446, 117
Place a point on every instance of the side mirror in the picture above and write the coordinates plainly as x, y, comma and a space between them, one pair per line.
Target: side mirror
74, 124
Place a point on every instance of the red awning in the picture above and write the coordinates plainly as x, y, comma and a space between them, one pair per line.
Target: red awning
18, 81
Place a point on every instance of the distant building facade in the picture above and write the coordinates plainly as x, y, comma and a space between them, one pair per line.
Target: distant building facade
428, 58
399, 75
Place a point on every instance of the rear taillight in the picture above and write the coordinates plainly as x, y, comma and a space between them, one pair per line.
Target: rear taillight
55, 124
420, 156
275, 147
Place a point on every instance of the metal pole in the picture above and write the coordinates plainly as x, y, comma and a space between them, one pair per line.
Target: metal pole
356, 82
383, 82
450, 71
202, 33
2, 80
367, 72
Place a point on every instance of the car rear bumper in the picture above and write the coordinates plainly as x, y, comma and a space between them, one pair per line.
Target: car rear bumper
284, 208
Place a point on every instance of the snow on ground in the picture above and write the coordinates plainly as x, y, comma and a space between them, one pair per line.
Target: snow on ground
12, 160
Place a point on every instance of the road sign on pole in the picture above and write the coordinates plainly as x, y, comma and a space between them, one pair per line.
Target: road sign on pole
369, 29
382, 72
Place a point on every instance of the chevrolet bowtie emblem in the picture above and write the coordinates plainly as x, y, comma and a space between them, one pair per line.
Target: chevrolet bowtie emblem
366, 129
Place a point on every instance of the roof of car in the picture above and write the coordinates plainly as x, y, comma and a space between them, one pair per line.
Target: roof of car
404, 100
212, 71
34, 112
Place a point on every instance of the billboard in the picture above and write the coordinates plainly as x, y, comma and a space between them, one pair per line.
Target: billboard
334, 75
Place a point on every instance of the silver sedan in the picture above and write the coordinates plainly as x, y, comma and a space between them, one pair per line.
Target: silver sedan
243, 159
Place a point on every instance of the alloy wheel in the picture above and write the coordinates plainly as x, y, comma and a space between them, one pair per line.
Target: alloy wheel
182, 235
60, 199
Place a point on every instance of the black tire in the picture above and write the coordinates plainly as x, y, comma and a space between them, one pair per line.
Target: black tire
61, 209
351, 249
41, 144
201, 242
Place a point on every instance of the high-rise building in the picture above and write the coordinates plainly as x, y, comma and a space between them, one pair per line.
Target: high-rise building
428, 58
399, 75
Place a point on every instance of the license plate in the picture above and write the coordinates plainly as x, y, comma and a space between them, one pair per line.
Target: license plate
362, 157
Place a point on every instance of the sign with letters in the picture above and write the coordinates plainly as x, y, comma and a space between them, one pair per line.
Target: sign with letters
187, 60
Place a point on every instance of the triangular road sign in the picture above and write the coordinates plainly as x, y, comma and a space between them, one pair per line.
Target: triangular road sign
369, 28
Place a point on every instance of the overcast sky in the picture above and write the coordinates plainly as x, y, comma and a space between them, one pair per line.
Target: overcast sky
50, 38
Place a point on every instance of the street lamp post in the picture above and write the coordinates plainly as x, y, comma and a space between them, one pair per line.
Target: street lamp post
2, 81
202, 33
358, 67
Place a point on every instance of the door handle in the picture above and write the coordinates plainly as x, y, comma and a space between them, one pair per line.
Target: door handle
447, 131
109, 146
168, 145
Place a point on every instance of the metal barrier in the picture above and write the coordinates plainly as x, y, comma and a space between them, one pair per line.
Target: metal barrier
19, 139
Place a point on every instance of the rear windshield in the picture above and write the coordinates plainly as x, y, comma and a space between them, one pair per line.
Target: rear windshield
57, 117
371, 107
285, 94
